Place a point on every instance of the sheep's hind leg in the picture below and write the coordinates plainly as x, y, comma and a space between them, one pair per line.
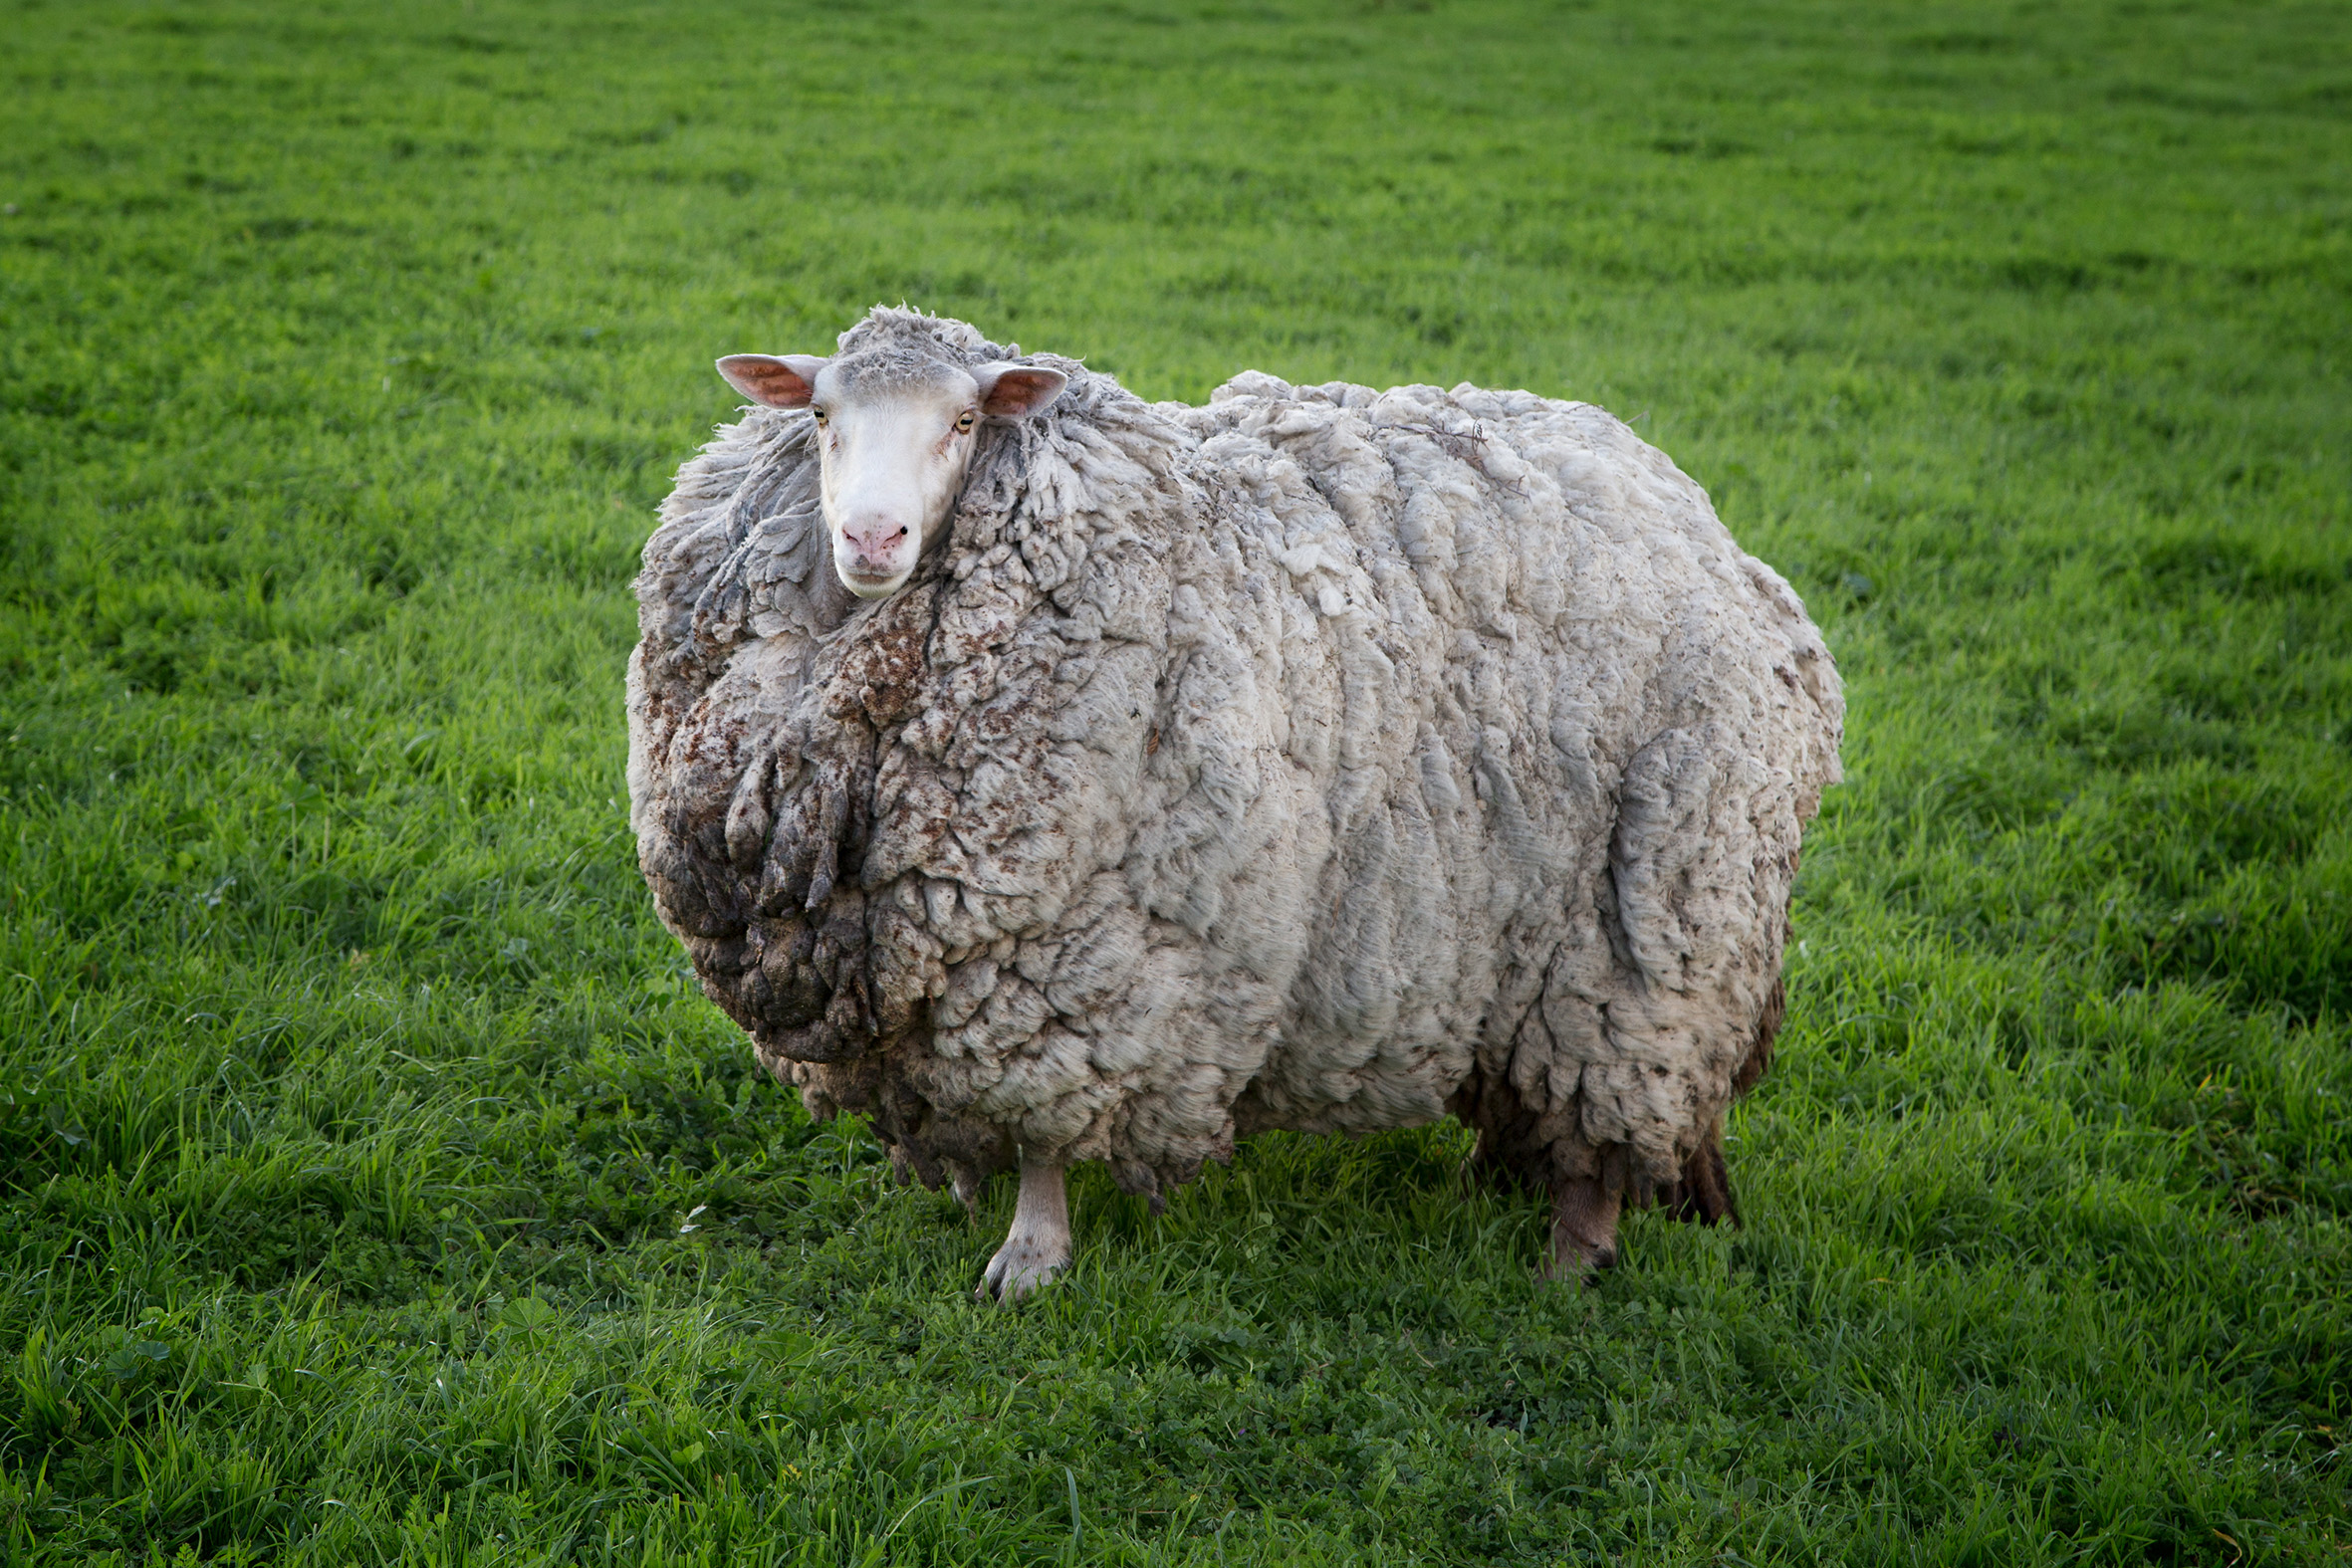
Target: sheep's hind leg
1038, 1247
1583, 1227
1705, 1191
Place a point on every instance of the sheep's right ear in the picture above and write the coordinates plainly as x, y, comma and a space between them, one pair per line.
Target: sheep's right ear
785, 380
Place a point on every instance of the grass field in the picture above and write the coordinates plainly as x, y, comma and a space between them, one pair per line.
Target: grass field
376, 1186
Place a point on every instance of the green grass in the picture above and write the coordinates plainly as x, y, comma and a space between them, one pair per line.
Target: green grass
374, 1185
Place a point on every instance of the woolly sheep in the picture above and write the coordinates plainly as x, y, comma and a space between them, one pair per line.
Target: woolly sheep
1141, 776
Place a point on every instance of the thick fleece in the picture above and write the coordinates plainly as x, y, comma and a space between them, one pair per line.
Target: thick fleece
1323, 759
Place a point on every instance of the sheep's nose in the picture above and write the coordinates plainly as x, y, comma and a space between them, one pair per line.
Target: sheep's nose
873, 539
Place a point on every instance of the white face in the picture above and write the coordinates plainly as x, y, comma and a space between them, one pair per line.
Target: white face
893, 451
892, 467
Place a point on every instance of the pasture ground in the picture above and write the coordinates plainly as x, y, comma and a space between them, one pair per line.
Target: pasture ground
374, 1186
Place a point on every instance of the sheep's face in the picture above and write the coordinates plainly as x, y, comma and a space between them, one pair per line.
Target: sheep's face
895, 436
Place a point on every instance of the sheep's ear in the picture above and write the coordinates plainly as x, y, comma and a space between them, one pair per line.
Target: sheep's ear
1016, 391
785, 380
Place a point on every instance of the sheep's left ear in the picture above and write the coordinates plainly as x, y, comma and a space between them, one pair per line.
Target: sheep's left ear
1016, 391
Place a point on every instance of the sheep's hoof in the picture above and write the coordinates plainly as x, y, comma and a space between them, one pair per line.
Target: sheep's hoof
1038, 1247
1578, 1262
1020, 1267
1583, 1230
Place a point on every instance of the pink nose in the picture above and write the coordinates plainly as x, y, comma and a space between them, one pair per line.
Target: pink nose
874, 545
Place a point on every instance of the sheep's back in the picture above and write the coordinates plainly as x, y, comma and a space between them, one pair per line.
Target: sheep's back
1566, 734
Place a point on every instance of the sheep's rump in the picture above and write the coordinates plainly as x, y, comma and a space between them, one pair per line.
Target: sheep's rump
1323, 759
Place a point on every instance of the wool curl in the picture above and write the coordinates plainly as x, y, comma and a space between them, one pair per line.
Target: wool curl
1323, 759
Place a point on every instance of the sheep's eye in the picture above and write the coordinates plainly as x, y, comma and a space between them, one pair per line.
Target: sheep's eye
818, 414
964, 421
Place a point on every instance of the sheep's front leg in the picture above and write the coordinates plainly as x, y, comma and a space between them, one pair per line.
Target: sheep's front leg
1584, 1229
1037, 1248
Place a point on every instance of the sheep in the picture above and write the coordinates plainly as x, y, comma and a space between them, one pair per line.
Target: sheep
1142, 776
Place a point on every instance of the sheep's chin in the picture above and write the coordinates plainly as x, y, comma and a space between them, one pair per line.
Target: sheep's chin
870, 588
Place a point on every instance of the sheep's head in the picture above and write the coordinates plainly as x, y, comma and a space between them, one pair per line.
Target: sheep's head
895, 433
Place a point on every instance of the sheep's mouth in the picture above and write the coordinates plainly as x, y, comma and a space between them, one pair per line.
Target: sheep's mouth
868, 586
